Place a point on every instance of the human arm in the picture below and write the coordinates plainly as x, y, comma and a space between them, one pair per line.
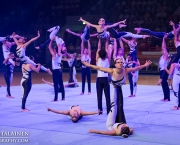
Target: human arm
51, 49
115, 49
128, 70
99, 48
108, 70
92, 25
93, 35
89, 48
6, 60
125, 40
73, 33
64, 59
36, 69
121, 45
164, 48
59, 112
116, 24
82, 47
33, 39
107, 50
83, 113
171, 70
175, 32
111, 132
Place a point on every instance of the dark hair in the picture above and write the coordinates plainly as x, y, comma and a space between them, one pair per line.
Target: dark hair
116, 60
102, 53
11, 53
31, 57
167, 49
125, 132
75, 121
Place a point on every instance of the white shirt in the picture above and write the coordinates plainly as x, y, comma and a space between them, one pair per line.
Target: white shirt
86, 59
105, 64
56, 63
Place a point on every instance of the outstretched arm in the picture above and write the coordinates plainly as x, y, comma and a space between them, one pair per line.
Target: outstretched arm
92, 25
111, 132
73, 33
116, 24
128, 70
175, 32
36, 69
125, 40
171, 70
93, 35
108, 70
59, 112
33, 39
83, 113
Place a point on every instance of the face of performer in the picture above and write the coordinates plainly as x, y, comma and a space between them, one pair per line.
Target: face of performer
101, 21
12, 55
21, 40
119, 63
120, 51
129, 57
75, 115
85, 51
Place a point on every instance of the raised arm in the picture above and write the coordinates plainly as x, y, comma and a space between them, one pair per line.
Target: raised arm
121, 45
115, 49
51, 49
15, 40
108, 52
171, 70
116, 24
164, 48
33, 39
111, 132
6, 60
99, 48
128, 70
82, 47
89, 48
92, 25
73, 33
83, 113
59, 112
59, 49
175, 32
36, 69
125, 40
108, 70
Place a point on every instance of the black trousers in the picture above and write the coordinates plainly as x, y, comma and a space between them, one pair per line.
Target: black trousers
71, 77
58, 81
42, 46
120, 110
102, 83
7, 77
27, 84
86, 73
130, 82
164, 84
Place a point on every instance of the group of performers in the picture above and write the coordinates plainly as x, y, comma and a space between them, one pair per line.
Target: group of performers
106, 75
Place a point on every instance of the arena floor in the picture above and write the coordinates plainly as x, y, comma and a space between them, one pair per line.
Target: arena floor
153, 121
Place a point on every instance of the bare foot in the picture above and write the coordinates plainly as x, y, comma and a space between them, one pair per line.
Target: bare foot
49, 71
174, 108
63, 99
9, 96
54, 101
162, 100
25, 110
130, 96
138, 30
37, 47
82, 93
43, 79
166, 100
89, 93
134, 95
122, 25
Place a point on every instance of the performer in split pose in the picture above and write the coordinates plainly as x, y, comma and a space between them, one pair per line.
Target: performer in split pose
26, 82
75, 112
102, 82
8, 75
102, 28
57, 54
86, 71
85, 35
21, 48
116, 122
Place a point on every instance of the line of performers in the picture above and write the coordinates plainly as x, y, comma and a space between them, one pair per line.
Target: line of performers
116, 122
